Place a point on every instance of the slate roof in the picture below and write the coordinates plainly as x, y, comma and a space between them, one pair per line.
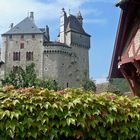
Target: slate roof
120, 2
74, 25
42, 29
26, 26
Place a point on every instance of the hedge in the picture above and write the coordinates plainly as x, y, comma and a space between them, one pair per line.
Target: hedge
70, 114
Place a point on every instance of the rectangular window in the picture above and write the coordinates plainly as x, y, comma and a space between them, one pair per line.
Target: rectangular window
10, 36
29, 56
21, 45
22, 36
33, 35
16, 56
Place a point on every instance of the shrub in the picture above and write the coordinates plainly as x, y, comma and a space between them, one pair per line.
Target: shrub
88, 85
120, 84
48, 83
21, 78
34, 113
28, 78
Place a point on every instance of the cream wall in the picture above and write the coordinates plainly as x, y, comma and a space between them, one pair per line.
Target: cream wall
30, 45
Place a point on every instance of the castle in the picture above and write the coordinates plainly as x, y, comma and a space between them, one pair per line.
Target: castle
65, 60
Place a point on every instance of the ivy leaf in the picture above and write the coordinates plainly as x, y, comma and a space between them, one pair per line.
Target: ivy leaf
70, 121
17, 113
125, 130
47, 105
5, 113
53, 134
31, 108
110, 119
44, 120
70, 105
29, 122
54, 105
11, 133
15, 102
1, 114
77, 101
34, 133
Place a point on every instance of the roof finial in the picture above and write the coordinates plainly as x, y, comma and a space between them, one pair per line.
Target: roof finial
79, 13
69, 11
63, 9
28, 14
11, 25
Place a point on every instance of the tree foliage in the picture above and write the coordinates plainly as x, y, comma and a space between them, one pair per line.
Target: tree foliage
88, 85
21, 78
48, 83
34, 113
28, 78
120, 84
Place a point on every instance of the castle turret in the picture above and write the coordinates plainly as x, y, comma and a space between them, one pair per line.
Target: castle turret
80, 18
63, 21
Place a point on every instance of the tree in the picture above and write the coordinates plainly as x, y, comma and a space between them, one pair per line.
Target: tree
88, 85
28, 78
48, 83
20, 77
120, 84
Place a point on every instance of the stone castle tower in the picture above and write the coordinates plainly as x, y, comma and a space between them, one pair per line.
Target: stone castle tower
65, 60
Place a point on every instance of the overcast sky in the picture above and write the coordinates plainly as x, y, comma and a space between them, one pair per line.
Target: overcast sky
100, 21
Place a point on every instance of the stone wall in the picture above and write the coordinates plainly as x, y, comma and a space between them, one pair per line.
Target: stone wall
59, 65
34, 45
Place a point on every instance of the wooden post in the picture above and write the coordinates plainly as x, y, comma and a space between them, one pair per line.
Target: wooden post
128, 80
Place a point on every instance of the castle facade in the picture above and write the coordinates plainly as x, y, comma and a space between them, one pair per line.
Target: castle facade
65, 60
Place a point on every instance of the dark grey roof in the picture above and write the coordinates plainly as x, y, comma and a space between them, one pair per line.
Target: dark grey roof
74, 25
120, 2
26, 26
42, 29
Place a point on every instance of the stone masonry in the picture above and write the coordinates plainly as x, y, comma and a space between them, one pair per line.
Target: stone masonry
65, 60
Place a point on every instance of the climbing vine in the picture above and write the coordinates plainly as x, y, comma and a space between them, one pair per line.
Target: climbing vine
35, 113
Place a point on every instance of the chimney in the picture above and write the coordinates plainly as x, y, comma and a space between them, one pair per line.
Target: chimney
11, 25
32, 16
47, 33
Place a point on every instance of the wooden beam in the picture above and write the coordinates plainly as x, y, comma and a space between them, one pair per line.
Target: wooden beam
128, 80
137, 66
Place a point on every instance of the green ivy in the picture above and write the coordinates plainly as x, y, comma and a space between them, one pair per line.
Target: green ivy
35, 113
